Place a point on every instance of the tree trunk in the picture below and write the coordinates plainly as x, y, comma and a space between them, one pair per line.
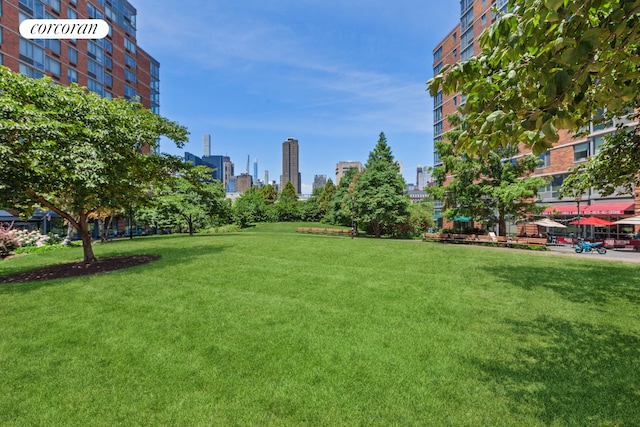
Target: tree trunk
82, 225
83, 230
502, 225
190, 222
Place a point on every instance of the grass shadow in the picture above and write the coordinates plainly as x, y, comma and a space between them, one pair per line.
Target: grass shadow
575, 373
170, 251
595, 283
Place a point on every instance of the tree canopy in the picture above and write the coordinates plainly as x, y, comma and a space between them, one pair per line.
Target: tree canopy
550, 65
490, 188
71, 151
191, 199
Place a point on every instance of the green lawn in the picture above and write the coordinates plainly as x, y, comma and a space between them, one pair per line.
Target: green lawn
270, 327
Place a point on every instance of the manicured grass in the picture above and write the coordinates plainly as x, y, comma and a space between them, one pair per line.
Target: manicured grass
270, 327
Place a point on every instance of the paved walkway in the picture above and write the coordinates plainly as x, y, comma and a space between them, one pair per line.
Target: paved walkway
612, 254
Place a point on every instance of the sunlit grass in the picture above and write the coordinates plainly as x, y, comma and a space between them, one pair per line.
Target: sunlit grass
270, 327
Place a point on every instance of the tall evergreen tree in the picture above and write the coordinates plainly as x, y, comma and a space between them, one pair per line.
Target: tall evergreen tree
380, 202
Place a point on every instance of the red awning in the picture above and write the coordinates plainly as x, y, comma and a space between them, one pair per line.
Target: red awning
617, 208
562, 210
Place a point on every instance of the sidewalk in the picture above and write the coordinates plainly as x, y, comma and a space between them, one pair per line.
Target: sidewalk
627, 255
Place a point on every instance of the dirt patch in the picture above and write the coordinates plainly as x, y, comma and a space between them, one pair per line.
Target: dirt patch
79, 268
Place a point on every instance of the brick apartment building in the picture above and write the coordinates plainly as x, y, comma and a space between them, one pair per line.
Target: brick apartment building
111, 67
461, 44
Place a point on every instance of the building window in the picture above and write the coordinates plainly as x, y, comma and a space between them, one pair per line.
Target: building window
30, 71
130, 61
55, 4
130, 76
484, 19
437, 129
53, 44
31, 54
74, 2
455, 37
467, 53
93, 12
437, 100
72, 75
108, 63
580, 151
0, 34
108, 80
129, 92
72, 55
437, 69
545, 160
597, 143
455, 53
465, 4
95, 87
53, 66
437, 54
467, 39
466, 21
94, 69
437, 114
455, 101
129, 45
72, 14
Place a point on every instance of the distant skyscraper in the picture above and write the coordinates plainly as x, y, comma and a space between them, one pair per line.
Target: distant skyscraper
319, 181
243, 182
227, 165
266, 176
206, 145
255, 170
290, 165
342, 167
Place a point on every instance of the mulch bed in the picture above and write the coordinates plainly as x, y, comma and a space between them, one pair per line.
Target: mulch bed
79, 268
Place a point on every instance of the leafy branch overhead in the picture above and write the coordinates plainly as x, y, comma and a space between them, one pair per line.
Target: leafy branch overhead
548, 65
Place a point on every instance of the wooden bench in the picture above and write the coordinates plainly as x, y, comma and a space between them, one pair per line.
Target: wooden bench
535, 241
323, 230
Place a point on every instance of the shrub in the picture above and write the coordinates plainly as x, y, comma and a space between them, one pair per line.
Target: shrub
8, 240
11, 239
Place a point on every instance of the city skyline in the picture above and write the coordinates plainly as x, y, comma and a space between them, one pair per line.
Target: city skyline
333, 75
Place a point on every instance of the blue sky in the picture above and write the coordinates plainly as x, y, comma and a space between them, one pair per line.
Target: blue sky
332, 74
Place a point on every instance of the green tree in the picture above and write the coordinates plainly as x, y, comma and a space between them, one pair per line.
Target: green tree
269, 194
420, 217
73, 152
550, 65
491, 188
191, 200
287, 207
309, 209
380, 202
340, 211
250, 208
324, 201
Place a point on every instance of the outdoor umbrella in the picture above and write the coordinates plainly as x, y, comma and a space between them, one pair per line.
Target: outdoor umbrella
634, 220
592, 220
546, 222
